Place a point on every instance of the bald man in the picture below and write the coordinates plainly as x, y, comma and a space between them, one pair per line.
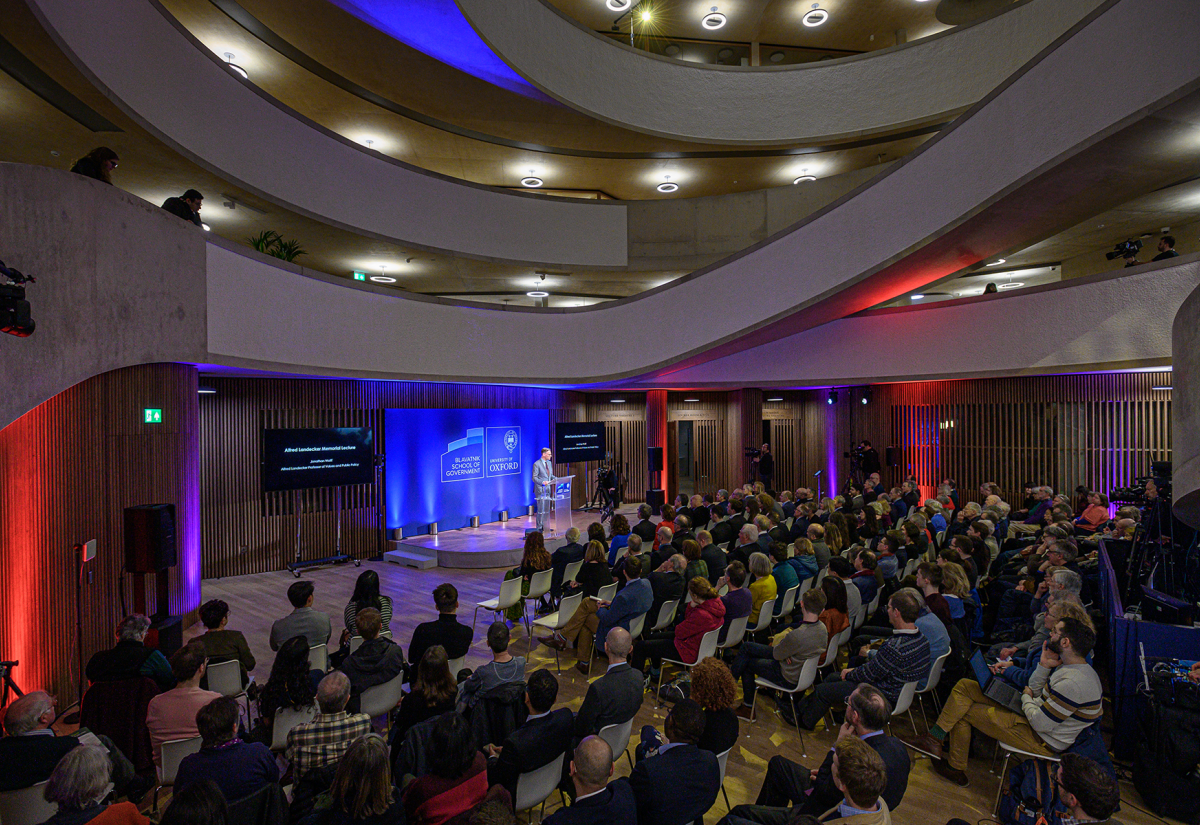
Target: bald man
616, 696
597, 802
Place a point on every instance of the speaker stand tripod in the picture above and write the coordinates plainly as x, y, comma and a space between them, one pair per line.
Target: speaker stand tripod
338, 556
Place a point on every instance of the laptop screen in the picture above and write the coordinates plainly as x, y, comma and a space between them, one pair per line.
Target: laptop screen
982, 674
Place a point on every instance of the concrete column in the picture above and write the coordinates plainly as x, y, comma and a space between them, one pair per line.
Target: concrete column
1185, 411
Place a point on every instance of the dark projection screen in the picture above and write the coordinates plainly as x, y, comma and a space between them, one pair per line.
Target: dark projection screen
579, 442
332, 457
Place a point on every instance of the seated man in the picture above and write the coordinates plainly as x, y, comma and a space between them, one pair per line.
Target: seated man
221, 644
172, 715
782, 660
503, 668
1063, 697
560, 558
644, 527
904, 657
594, 618
378, 659
597, 801
667, 584
238, 768
663, 548
616, 696
303, 620
131, 658
325, 739
712, 555
738, 600
860, 775
864, 577
446, 630
31, 749
929, 625
545, 734
813, 792
679, 785
886, 563
747, 543
1032, 522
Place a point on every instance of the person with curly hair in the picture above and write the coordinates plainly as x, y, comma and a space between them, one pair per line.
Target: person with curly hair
534, 560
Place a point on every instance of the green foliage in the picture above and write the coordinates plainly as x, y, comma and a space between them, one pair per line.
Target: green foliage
272, 243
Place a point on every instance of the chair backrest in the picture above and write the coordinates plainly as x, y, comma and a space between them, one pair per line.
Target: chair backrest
225, 678
535, 786
789, 600
904, 701
456, 665
764, 615
723, 590
935, 672
821, 576
708, 644
571, 571
567, 608
622, 551
874, 606
173, 752
539, 583
608, 592
285, 720
26, 806
832, 651
510, 593
940, 537
808, 673
318, 657
617, 737
636, 625
266, 806
722, 761
737, 630
805, 586
355, 643
665, 614
378, 700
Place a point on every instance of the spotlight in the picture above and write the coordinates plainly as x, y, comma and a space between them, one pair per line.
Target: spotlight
532, 181
206, 227
647, 15
865, 398
667, 187
713, 20
235, 68
815, 17
917, 297
831, 399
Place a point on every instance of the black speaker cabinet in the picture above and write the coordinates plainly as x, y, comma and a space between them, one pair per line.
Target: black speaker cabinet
656, 499
149, 538
893, 456
654, 457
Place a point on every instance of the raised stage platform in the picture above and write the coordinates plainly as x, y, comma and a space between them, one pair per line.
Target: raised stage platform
498, 544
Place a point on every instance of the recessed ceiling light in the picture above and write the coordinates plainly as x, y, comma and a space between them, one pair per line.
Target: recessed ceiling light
206, 227
617, 401
618, 5
383, 279
666, 187
775, 398
814, 17
713, 20
917, 297
1011, 285
997, 262
804, 177
213, 390
672, 50
777, 57
235, 67
538, 293
1160, 388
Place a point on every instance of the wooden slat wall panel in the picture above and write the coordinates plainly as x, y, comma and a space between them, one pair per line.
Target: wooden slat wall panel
246, 531
68, 469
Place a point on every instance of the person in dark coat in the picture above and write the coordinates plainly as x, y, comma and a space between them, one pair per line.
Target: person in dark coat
97, 164
615, 697
679, 785
545, 735
597, 801
238, 768
185, 206
446, 630
377, 660
645, 527
570, 552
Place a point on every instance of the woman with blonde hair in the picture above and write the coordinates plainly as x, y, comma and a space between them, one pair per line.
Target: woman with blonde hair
362, 789
834, 539
594, 573
763, 587
534, 560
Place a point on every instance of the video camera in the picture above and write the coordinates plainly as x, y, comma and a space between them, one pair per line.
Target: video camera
1124, 249
15, 313
752, 452
1135, 494
855, 452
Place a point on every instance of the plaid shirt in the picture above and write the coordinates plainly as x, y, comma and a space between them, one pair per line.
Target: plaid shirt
324, 740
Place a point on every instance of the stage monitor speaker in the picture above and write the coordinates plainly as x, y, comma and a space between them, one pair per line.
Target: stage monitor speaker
149, 538
656, 499
654, 457
892, 459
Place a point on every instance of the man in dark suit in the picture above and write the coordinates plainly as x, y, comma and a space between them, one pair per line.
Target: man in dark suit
667, 583
645, 527
616, 696
545, 734
736, 521
712, 555
699, 513
681, 783
446, 630
597, 802
747, 543
722, 531
683, 532
560, 558
813, 791
910, 495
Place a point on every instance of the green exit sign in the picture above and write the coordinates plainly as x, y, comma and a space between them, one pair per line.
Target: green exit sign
360, 276
152, 416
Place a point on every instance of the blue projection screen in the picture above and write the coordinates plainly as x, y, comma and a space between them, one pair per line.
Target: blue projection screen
445, 466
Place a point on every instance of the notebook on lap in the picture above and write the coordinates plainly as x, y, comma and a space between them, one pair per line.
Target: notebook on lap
993, 688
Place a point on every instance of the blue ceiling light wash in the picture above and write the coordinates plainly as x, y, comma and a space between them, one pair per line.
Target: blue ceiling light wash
438, 29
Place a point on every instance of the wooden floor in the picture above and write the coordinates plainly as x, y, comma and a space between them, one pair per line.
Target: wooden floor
256, 601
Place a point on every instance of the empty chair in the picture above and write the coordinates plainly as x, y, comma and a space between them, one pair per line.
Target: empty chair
666, 614
26, 806
808, 675
510, 594
607, 593
173, 752
285, 720
617, 737
737, 631
382, 699
558, 620
318, 657
904, 704
226, 679
535, 787
708, 646
539, 585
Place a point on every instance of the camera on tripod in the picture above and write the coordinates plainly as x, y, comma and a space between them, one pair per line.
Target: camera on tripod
15, 313
856, 452
752, 452
1124, 249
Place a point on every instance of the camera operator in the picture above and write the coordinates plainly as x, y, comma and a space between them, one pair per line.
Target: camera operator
766, 466
869, 459
1166, 248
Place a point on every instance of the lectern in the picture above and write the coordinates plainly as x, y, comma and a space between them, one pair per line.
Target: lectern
557, 506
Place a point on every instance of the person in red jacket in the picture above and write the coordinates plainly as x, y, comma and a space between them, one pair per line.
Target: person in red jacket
705, 613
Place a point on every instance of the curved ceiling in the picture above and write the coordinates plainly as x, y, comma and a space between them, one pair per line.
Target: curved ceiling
900, 87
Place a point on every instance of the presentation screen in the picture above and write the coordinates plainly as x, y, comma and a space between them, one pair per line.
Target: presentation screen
330, 457
445, 466
578, 442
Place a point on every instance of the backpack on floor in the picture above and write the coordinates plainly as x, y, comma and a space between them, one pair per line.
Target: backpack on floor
1030, 797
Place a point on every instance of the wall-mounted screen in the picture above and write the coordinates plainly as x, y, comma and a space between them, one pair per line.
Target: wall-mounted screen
579, 442
329, 457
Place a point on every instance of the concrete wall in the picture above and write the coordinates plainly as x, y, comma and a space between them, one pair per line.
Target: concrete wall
883, 90
1185, 410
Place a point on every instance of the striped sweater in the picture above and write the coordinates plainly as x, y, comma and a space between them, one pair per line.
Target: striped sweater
1065, 700
904, 657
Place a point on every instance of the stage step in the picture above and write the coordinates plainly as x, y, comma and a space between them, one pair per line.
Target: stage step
411, 555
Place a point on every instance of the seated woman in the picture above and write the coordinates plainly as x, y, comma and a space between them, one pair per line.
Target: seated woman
534, 560
362, 790
366, 594
80, 782
432, 694
619, 527
695, 564
593, 575
292, 684
457, 780
705, 613
804, 562
835, 616
1095, 514
715, 690
763, 587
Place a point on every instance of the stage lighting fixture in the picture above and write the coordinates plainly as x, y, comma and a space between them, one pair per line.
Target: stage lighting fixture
865, 398
618, 5
831, 398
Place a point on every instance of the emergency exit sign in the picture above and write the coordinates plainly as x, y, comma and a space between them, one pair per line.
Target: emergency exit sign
152, 416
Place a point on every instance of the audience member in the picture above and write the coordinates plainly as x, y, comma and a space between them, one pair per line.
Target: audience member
220, 644
366, 594
97, 164
666, 583
79, 785
503, 668
681, 783
433, 693
201, 803
238, 768
784, 573
861, 776
763, 588
362, 790
619, 537
712, 555
535, 559
695, 564
705, 613
836, 615
378, 659
325, 739
313, 625
545, 735
929, 582
591, 577
782, 660
738, 600
570, 552
457, 781
615, 697
597, 801
291, 685
804, 560
715, 690
747, 543
446, 630
928, 625
645, 527
720, 528
131, 658
172, 715
185, 206
864, 577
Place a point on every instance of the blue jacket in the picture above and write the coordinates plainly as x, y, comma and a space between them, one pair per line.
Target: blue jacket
617, 543
785, 580
867, 585
934, 631
805, 566
635, 598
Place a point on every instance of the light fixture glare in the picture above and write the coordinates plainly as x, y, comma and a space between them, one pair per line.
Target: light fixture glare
814, 18
618, 5
538, 293
531, 182
713, 20
383, 279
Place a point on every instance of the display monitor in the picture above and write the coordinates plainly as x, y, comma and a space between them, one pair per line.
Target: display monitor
579, 442
298, 459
